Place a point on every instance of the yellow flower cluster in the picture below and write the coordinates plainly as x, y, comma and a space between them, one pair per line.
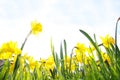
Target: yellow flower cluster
25, 59
84, 54
9, 49
48, 63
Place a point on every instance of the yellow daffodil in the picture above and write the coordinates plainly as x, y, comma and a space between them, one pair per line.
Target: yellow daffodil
105, 57
36, 27
50, 63
32, 63
5, 55
11, 47
81, 48
107, 40
80, 52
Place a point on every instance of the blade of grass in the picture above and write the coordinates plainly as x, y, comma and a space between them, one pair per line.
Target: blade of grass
93, 43
62, 60
102, 64
4, 72
116, 51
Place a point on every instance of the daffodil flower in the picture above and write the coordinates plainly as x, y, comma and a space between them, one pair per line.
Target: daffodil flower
80, 52
50, 63
36, 27
8, 49
107, 40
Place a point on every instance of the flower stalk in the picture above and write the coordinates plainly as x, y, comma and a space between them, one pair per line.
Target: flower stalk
25, 40
116, 48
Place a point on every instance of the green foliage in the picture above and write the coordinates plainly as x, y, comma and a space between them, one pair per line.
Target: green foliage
67, 65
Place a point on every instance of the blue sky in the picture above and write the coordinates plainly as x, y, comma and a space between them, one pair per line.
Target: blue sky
61, 19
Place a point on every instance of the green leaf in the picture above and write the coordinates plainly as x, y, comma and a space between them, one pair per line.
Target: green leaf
65, 49
17, 64
94, 44
102, 64
4, 70
62, 59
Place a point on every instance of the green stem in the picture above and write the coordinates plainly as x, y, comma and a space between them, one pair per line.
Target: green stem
25, 40
17, 63
71, 59
116, 38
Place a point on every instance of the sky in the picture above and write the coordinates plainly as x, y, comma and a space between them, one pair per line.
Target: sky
61, 19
